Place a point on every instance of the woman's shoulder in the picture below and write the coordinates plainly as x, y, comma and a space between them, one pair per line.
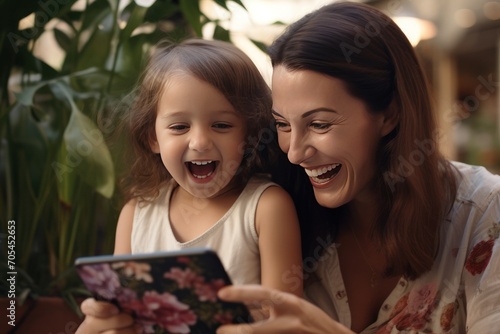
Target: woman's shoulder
475, 183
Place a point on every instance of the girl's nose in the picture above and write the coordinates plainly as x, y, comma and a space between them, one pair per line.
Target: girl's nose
200, 140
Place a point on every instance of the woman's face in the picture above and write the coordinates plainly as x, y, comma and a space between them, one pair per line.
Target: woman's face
328, 132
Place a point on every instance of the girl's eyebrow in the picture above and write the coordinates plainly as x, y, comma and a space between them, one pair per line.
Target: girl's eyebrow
310, 112
173, 114
187, 112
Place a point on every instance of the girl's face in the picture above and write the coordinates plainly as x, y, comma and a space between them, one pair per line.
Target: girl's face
199, 136
328, 132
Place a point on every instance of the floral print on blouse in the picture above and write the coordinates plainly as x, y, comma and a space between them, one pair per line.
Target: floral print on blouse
460, 294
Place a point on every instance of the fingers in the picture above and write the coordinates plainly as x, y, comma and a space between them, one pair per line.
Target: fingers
287, 313
250, 294
288, 325
92, 307
85, 328
105, 318
119, 321
259, 314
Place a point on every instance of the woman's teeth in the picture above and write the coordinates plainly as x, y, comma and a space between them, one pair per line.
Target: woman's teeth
323, 174
320, 171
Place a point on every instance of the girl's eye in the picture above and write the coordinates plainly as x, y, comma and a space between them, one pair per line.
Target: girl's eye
222, 126
178, 127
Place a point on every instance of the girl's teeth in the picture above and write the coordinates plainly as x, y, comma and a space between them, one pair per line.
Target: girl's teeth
202, 169
200, 163
320, 171
202, 176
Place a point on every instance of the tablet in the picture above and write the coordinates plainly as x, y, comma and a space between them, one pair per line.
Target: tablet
166, 292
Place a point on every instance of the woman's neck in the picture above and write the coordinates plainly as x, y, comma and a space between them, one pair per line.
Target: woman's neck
362, 215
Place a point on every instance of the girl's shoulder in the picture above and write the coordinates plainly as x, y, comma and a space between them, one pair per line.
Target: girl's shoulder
259, 181
160, 199
268, 193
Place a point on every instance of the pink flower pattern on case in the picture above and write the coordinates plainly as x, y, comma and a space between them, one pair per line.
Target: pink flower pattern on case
134, 286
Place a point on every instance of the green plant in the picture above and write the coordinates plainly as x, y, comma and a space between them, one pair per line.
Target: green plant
57, 171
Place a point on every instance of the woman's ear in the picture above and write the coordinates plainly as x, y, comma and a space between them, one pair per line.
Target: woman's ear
391, 118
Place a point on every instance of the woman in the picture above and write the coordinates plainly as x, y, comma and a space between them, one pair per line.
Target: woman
410, 242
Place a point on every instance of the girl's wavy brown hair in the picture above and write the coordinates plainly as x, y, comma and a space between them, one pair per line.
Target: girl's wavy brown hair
366, 50
223, 66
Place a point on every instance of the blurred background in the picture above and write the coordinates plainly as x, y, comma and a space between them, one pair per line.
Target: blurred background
67, 68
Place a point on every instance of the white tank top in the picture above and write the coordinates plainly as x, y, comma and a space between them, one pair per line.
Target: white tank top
233, 237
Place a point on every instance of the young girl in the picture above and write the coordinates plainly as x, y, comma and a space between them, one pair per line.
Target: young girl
201, 131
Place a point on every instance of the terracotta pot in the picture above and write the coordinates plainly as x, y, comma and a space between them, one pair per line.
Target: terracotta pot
45, 315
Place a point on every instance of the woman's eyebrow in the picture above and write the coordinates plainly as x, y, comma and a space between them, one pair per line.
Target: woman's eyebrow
310, 112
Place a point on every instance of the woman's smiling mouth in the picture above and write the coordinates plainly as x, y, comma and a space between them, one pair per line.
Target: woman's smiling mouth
323, 174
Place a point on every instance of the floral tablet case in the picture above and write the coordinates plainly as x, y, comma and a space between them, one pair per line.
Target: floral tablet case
166, 292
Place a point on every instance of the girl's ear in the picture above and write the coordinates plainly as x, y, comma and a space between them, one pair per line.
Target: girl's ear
391, 119
153, 144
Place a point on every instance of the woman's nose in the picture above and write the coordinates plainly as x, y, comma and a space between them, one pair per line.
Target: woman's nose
200, 140
297, 148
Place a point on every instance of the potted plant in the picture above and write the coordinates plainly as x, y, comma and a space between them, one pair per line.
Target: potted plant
58, 172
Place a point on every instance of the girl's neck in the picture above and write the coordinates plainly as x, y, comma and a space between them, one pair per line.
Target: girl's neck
232, 190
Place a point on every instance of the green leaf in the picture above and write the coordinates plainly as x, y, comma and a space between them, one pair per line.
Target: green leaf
62, 39
222, 3
33, 64
279, 23
192, 13
240, 3
94, 14
113, 4
90, 156
260, 45
97, 50
25, 97
161, 10
135, 19
28, 140
221, 34
87, 152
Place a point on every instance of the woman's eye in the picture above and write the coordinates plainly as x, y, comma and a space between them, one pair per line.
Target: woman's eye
281, 125
320, 126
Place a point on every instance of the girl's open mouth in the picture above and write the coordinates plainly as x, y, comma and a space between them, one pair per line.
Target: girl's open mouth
201, 169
